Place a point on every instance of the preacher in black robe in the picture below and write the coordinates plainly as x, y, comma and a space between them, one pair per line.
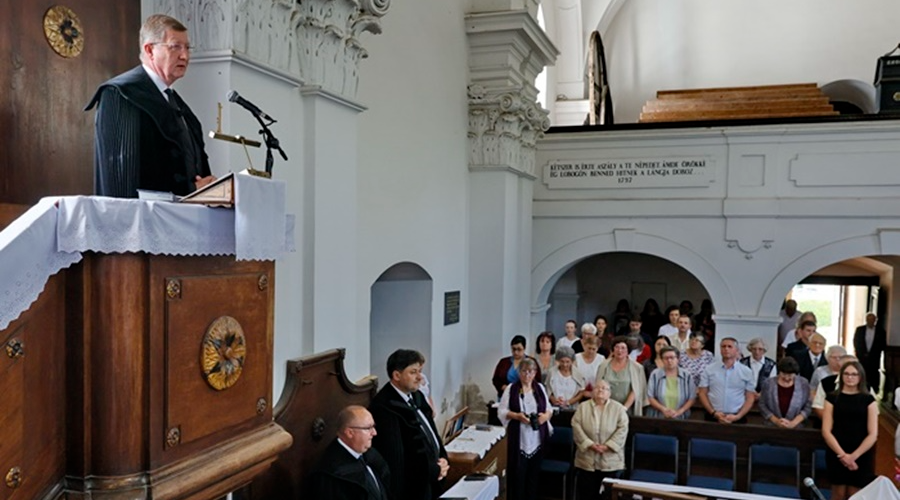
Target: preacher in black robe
407, 437
342, 477
144, 140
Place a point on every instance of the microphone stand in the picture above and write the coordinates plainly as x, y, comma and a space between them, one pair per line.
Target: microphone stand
271, 143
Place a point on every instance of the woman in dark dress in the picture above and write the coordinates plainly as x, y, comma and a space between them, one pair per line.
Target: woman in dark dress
850, 429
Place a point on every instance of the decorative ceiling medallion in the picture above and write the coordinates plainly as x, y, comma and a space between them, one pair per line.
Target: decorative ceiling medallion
223, 352
63, 31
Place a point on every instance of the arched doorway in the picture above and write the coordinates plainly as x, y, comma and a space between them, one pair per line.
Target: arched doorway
400, 314
596, 284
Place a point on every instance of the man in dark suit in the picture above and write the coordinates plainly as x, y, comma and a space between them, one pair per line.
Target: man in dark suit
800, 347
813, 358
350, 469
146, 136
407, 437
869, 342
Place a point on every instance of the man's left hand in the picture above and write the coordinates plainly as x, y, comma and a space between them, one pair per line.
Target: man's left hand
445, 468
201, 182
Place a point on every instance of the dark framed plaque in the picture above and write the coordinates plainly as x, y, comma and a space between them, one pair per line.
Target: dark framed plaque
451, 307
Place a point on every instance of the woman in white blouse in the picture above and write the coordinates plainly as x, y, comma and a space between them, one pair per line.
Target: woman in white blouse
525, 411
566, 385
588, 361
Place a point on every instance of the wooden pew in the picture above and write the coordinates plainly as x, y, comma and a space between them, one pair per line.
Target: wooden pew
733, 103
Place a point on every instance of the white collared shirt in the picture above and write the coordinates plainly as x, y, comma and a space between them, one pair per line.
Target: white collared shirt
157, 80
409, 399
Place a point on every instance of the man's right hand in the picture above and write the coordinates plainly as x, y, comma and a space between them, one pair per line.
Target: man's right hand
445, 468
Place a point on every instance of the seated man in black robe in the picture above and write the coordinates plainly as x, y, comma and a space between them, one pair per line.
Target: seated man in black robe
350, 469
146, 135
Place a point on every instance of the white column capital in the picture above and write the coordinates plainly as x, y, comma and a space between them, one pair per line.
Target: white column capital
318, 41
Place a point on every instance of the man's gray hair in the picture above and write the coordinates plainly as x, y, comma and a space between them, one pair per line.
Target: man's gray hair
757, 342
835, 349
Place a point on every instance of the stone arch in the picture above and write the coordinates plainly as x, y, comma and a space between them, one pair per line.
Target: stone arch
400, 313
882, 243
549, 269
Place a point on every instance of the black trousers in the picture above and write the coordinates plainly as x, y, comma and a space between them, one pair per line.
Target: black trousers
523, 476
589, 482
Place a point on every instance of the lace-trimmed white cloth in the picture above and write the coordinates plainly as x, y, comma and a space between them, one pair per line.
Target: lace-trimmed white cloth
28, 257
474, 440
52, 235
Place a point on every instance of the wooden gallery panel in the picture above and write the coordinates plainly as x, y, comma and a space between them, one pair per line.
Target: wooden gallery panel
32, 398
214, 332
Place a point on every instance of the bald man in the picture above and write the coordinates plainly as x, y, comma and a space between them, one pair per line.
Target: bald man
350, 469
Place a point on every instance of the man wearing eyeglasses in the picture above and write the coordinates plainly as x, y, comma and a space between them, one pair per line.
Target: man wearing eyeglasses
350, 469
407, 437
146, 136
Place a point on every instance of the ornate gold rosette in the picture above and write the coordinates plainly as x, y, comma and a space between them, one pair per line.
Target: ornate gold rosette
223, 352
63, 31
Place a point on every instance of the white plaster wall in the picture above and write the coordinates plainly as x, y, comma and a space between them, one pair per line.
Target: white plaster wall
663, 44
207, 83
413, 172
788, 224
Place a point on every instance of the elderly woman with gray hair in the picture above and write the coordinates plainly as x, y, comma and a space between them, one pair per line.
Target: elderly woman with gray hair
599, 429
565, 384
762, 366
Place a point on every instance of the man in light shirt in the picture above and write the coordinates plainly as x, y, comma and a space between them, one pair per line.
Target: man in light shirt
833, 356
726, 387
827, 385
682, 336
790, 316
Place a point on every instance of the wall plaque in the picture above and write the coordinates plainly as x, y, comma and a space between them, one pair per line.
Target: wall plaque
451, 307
672, 171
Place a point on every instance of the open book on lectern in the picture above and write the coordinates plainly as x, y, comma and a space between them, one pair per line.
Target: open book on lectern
219, 193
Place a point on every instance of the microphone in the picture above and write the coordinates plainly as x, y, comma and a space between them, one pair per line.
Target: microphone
236, 98
809, 483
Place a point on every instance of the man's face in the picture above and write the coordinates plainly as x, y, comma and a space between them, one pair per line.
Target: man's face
806, 332
673, 317
728, 350
871, 319
361, 432
834, 361
635, 326
790, 307
169, 57
409, 379
570, 329
684, 324
816, 345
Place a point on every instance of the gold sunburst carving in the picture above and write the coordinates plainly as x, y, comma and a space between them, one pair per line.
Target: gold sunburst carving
63, 31
223, 353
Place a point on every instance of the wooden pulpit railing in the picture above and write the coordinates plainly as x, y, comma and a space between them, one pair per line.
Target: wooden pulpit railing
139, 376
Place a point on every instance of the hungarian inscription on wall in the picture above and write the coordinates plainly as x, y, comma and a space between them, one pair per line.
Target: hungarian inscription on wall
693, 171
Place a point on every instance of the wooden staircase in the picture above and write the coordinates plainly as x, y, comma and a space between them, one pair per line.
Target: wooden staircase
737, 103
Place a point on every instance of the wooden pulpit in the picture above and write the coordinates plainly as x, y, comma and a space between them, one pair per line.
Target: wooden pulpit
137, 375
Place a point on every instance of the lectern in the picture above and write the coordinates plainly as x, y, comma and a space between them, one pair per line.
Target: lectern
143, 369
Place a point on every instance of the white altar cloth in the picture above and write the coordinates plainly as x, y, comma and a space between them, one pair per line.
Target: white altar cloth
52, 235
485, 489
476, 441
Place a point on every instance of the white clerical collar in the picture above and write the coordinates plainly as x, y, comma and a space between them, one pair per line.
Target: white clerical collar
350, 450
157, 80
402, 394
